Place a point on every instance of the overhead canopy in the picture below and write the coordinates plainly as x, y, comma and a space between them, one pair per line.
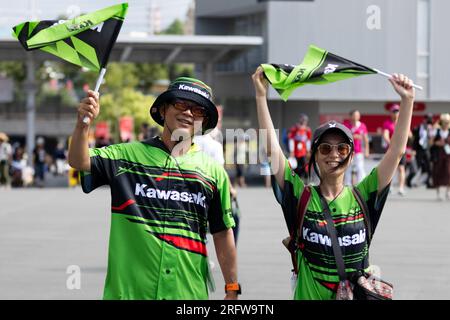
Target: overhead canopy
156, 49
205, 50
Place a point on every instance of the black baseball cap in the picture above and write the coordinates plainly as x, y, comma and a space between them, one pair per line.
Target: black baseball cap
191, 89
331, 126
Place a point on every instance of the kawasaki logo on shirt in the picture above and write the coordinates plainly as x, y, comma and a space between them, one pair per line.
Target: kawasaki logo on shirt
345, 241
196, 198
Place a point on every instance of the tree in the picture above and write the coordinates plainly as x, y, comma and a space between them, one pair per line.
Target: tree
14, 70
119, 97
176, 27
148, 73
125, 102
181, 69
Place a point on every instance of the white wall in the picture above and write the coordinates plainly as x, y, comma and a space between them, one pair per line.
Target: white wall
340, 27
440, 48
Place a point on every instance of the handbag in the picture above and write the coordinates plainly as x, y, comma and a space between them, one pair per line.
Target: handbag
369, 287
361, 285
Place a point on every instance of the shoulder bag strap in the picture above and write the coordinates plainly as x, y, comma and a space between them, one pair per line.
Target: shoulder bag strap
297, 229
331, 229
301, 209
365, 210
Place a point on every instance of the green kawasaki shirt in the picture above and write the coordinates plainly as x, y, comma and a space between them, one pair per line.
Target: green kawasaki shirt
318, 277
161, 209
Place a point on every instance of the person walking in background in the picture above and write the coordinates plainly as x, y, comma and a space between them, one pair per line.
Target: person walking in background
421, 137
388, 131
240, 154
17, 165
39, 162
361, 141
331, 153
22, 174
214, 149
411, 163
59, 158
143, 132
300, 144
146, 132
5, 161
166, 194
265, 167
441, 165
102, 141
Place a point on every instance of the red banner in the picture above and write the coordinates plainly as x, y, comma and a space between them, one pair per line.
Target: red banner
126, 127
102, 130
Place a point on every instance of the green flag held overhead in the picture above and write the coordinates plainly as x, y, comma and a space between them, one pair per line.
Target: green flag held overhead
318, 67
86, 40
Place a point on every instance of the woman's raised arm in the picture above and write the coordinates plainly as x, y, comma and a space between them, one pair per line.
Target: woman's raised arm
273, 148
397, 146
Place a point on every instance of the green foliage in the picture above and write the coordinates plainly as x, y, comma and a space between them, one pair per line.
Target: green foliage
148, 73
123, 93
181, 70
176, 27
118, 76
80, 77
119, 97
14, 70
125, 102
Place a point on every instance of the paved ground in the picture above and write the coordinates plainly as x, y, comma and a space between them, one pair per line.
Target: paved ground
44, 231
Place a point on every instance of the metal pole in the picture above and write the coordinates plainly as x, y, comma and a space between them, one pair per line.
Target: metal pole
208, 74
30, 89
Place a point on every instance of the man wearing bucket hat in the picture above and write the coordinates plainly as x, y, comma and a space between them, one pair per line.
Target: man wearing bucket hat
315, 245
166, 195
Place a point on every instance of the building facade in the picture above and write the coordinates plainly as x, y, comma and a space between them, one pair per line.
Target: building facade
404, 36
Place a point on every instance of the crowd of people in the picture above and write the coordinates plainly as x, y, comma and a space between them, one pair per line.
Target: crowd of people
17, 171
425, 161
174, 186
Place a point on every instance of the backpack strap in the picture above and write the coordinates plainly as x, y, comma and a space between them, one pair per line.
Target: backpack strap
359, 198
292, 241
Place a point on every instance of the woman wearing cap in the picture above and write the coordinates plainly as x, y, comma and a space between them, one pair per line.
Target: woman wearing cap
165, 195
331, 154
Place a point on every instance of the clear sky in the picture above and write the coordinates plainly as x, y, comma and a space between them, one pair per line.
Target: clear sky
13, 12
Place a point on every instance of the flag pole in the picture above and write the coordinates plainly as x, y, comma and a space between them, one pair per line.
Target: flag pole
97, 87
387, 75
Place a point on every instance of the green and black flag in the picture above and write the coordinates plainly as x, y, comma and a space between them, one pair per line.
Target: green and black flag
86, 40
318, 67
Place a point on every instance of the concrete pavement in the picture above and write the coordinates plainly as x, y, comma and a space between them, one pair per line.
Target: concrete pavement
44, 231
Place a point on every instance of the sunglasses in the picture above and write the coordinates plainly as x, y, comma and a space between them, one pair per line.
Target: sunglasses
342, 148
196, 110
